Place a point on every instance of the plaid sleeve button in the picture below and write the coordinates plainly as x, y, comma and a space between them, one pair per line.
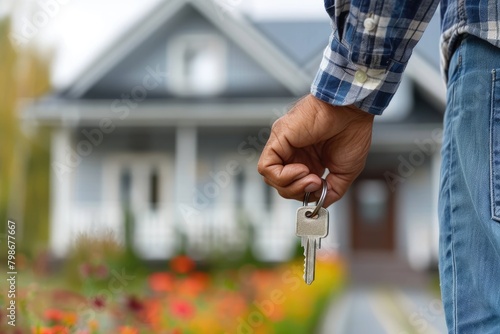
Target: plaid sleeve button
369, 24
360, 76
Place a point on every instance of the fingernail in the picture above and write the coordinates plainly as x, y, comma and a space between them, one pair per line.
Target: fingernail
310, 188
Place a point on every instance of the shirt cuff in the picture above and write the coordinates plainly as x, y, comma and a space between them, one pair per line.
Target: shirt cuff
341, 82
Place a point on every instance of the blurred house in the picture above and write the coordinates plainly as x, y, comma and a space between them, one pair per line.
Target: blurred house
169, 123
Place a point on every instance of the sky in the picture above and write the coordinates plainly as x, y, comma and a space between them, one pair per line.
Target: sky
77, 31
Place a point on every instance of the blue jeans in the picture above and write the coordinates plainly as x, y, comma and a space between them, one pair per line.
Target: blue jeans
469, 203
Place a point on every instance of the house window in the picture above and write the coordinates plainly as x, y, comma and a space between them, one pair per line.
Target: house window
197, 65
372, 196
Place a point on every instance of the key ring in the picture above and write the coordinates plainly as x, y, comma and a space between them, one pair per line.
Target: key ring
321, 200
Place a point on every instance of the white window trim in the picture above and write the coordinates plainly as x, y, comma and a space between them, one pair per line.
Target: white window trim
177, 83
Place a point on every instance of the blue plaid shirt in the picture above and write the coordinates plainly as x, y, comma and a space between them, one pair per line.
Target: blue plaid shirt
372, 41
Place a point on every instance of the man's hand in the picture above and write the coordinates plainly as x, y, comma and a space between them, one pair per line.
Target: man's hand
311, 137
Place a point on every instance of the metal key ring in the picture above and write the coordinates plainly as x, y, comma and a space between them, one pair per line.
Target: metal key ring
321, 200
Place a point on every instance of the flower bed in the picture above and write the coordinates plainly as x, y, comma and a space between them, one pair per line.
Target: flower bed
183, 298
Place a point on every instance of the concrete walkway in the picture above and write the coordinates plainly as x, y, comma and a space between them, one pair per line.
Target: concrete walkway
382, 310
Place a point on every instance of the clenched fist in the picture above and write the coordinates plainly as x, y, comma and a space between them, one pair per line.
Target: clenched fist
312, 137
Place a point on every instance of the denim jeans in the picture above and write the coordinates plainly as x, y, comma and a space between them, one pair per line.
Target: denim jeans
469, 201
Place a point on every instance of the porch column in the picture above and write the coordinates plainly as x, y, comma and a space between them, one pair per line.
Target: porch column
185, 173
253, 195
62, 167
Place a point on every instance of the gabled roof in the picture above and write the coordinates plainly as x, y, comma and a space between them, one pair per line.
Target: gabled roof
235, 27
301, 40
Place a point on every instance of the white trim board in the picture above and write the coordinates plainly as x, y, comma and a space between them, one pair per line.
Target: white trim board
78, 113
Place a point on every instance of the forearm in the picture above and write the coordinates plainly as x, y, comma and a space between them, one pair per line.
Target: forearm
369, 48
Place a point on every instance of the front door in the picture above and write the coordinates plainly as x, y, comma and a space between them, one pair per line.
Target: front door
372, 212
141, 184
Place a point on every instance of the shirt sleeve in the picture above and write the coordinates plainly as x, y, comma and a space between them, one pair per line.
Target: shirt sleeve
369, 48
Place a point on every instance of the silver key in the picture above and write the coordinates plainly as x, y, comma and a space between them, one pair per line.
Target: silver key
311, 230
311, 227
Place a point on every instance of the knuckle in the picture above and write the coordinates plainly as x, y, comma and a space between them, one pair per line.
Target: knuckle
276, 125
261, 169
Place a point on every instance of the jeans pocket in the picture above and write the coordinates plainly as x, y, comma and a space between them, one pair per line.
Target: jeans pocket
495, 146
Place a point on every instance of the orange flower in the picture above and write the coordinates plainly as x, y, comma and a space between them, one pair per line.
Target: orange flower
50, 330
263, 278
182, 264
201, 277
182, 309
161, 282
278, 314
152, 312
128, 330
69, 319
193, 285
231, 305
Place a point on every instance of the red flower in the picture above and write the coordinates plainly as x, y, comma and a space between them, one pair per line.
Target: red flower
59, 330
134, 305
98, 302
86, 270
182, 264
101, 271
182, 309
161, 282
53, 315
